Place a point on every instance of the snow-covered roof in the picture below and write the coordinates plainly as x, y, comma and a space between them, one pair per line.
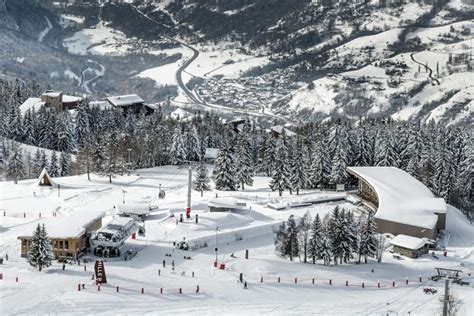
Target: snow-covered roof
118, 222
226, 202
402, 198
279, 129
70, 98
52, 94
135, 209
124, 100
180, 113
33, 104
408, 242
211, 153
70, 226
44, 173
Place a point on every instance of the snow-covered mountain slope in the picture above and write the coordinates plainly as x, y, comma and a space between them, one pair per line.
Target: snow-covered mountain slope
364, 58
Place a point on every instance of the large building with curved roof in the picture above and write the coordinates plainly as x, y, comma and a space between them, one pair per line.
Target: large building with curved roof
402, 204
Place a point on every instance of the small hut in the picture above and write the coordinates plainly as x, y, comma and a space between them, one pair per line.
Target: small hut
44, 179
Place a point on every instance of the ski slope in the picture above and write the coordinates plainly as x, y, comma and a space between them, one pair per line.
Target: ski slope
55, 290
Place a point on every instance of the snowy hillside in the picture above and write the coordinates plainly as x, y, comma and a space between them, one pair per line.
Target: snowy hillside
371, 58
219, 290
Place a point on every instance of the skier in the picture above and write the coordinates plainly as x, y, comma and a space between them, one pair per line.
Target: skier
64, 266
6, 257
172, 265
164, 263
245, 285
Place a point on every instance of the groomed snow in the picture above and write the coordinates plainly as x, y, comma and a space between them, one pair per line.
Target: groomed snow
402, 198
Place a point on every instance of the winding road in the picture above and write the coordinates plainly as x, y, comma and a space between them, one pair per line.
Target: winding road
430, 71
189, 93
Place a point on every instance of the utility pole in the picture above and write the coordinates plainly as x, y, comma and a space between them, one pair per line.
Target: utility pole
190, 183
446, 297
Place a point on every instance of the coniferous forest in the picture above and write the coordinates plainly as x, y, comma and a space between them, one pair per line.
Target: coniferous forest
102, 141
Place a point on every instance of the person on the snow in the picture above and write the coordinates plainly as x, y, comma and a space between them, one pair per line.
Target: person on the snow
6, 257
245, 285
64, 266
164, 263
172, 263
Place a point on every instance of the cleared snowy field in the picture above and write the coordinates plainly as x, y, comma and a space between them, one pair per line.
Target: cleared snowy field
55, 290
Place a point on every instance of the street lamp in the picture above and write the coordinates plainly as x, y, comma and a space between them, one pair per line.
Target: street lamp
129, 164
217, 241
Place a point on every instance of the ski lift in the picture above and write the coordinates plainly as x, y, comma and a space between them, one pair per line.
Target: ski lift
161, 193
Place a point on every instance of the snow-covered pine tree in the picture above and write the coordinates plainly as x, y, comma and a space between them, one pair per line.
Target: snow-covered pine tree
351, 235
244, 164
281, 239
29, 135
43, 162
280, 174
83, 163
64, 164
82, 123
292, 245
98, 154
36, 169
40, 253
193, 144
443, 169
270, 154
298, 167
325, 247
337, 231
225, 168
368, 238
53, 168
177, 151
201, 180
414, 151
339, 165
315, 243
15, 163
304, 235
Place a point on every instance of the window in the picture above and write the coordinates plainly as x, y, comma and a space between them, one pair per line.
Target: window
24, 242
60, 244
66, 244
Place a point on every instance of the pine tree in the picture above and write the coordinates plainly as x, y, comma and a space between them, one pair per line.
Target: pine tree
340, 246
201, 180
368, 238
40, 253
298, 168
325, 249
177, 150
37, 163
339, 165
281, 238
304, 235
316, 237
351, 235
64, 164
244, 164
193, 145
280, 172
225, 168
15, 165
53, 169
83, 162
83, 131
291, 242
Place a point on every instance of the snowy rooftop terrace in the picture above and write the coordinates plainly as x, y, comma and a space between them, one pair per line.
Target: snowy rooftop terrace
408, 242
70, 226
402, 198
